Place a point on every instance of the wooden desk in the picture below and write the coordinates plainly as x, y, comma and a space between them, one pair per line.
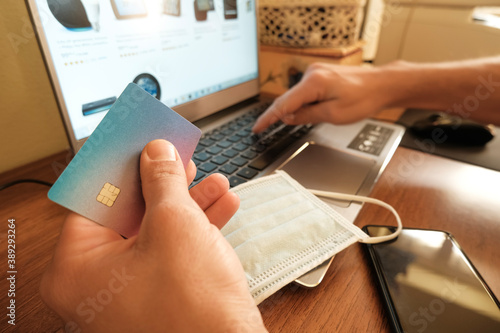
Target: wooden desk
427, 191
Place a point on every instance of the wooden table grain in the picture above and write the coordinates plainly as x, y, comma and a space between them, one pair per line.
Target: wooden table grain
427, 191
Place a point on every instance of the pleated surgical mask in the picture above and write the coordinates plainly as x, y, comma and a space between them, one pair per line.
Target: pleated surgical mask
281, 231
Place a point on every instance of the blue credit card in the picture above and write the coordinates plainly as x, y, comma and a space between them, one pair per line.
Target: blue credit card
102, 182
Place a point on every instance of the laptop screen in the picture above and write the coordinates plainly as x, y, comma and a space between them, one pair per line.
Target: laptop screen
180, 51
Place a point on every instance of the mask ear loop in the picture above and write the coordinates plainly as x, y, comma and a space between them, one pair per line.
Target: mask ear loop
358, 198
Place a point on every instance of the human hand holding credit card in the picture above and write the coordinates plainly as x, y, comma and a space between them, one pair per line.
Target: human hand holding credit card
92, 266
102, 181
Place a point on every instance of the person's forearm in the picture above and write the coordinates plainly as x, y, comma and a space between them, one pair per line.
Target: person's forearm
470, 89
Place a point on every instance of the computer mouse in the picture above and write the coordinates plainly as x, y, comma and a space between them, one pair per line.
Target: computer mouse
444, 128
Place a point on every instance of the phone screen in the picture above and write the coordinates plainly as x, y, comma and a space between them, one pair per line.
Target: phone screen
429, 285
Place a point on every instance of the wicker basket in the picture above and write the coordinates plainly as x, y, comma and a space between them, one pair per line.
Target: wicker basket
310, 23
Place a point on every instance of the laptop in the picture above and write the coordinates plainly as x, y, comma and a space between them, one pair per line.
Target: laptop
200, 58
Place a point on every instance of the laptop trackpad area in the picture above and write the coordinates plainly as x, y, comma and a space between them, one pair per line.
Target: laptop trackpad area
328, 169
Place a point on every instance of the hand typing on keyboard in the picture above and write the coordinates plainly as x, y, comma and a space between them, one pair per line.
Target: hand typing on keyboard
233, 150
345, 94
327, 93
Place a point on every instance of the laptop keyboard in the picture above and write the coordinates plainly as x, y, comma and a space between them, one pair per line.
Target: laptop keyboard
233, 150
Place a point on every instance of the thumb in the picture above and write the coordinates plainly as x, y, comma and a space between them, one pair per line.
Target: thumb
162, 174
169, 207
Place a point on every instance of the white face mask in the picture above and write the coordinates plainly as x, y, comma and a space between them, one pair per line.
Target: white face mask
281, 231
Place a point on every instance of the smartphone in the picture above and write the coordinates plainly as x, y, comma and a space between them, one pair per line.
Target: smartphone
199, 14
230, 9
429, 285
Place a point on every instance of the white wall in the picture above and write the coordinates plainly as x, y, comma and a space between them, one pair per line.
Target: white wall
425, 33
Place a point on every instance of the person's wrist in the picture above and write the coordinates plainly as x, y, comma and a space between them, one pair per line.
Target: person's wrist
394, 81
